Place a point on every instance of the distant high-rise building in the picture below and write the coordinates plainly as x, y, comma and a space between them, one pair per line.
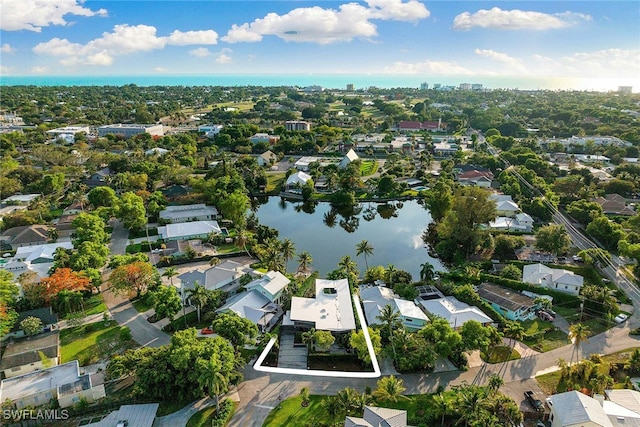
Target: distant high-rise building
350, 87
625, 89
297, 125
437, 86
464, 86
476, 86
424, 86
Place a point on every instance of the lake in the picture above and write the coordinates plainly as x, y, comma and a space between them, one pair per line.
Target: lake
394, 230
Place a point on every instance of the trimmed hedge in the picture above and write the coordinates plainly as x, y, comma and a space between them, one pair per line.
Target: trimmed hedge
222, 417
558, 297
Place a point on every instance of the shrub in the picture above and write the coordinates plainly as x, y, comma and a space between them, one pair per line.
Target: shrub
221, 418
125, 333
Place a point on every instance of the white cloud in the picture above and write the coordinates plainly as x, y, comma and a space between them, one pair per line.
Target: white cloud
200, 52
514, 65
39, 69
5, 70
224, 59
124, 39
428, 66
7, 48
160, 70
608, 62
32, 15
499, 19
324, 26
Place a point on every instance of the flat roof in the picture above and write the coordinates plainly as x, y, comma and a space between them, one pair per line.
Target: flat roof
504, 297
184, 229
135, 415
330, 310
39, 381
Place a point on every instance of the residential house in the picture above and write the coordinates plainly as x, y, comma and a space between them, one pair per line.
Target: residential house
20, 199
68, 133
615, 204
378, 417
46, 315
265, 138
302, 164
129, 130
209, 130
297, 125
40, 254
189, 230
30, 354
157, 151
100, 178
297, 180
445, 149
521, 222
574, 409
255, 307
553, 278
272, 285
73, 209
186, 213
505, 206
477, 178
26, 235
413, 126
175, 192
63, 382
267, 158
511, 304
454, 311
331, 309
375, 298
350, 157
7, 210
142, 415
225, 276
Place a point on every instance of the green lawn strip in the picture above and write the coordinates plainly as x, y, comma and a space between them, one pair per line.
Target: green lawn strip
543, 342
94, 305
141, 304
83, 342
291, 413
499, 354
274, 182
168, 407
205, 417
597, 325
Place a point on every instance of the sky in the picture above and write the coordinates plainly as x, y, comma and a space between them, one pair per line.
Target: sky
588, 41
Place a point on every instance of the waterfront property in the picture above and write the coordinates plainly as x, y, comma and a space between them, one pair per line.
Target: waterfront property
331, 309
453, 311
511, 304
225, 276
185, 213
375, 298
189, 230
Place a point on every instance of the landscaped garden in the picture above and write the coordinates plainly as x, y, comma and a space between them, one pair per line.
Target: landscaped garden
94, 342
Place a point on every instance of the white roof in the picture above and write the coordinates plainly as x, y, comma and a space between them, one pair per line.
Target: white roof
572, 408
21, 198
185, 229
247, 305
524, 217
136, 415
507, 205
330, 310
29, 253
351, 155
39, 381
506, 223
500, 198
454, 311
409, 309
375, 298
156, 150
298, 178
537, 273
184, 211
273, 282
629, 399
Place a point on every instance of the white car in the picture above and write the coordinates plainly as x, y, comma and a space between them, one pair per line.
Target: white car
620, 318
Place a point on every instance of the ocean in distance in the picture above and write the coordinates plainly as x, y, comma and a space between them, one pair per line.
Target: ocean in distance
328, 81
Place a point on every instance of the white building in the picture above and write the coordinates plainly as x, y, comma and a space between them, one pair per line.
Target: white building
189, 230
521, 222
297, 125
552, 278
186, 213
271, 285
225, 276
375, 298
453, 311
574, 409
210, 130
157, 151
331, 309
297, 180
68, 133
378, 417
129, 130
350, 157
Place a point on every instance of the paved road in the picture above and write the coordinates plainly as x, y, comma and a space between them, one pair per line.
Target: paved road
122, 311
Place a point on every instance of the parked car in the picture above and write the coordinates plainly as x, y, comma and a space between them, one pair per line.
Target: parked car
533, 401
620, 318
206, 331
549, 312
543, 315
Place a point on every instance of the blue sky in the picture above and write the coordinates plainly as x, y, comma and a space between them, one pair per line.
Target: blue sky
589, 41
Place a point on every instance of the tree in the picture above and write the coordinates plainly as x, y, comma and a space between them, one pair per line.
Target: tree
475, 336
515, 331
389, 389
234, 207
511, 272
390, 319
170, 272
506, 245
131, 211
439, 200
364, 248
390, 274
441, 406
31, 325
323, 339
304, 261
212, 378
359, 344
198, 295
88, 227
166, 302
102, 196
606, 231
136, 276
89, 255
495, 382
553, 238
442, 337
63, 279
288, 250
427, 272
578, 333
236, 329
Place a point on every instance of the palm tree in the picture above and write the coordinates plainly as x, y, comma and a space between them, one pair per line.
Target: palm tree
242, 238
64, 301
347, 399
304, 260
495, 382
214, 261
389, 389
578, 333
288, 250
350, 267
441, 406
391, 269
199, 296
308, 337
426, 272
364, 248
170, 272
390, 318
212, 379
515, 331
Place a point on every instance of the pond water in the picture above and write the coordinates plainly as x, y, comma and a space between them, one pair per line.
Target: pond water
394, 230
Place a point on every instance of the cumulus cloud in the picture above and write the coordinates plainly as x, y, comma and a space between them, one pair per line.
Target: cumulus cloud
7, 48
160, 70
515, 19
5, 70
323, 26
200, 52
428, 67
513, 64
32, 15
224, 59
39, 69
606, 62
124, 39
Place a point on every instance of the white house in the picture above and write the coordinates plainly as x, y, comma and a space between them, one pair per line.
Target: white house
521, 222
297, 180
157, 151
68, 133
454, 311
189, 230
331, 309
350, 157
225, 276
271, 285
253, 306
186, 213
375, 298
552, 278
267, 158
378, 417
574, 409
40, 254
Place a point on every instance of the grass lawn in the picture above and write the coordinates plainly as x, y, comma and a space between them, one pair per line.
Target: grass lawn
291, 413
548, 341
597, 325
368, 167
92, 305
90, 343
141, 304
549, 382
202, 418
275, 181
227, 248
499, 354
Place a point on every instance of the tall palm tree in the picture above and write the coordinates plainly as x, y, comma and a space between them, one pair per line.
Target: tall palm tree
63, 300
364, 248
242, 238
350, 267
170, 272
288, 250
308, 337
304, 260
389, 389
391, 269
495, 382
199, 296
441, 406
578, 333
427, 272
390, 318
514, 331
212, 379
